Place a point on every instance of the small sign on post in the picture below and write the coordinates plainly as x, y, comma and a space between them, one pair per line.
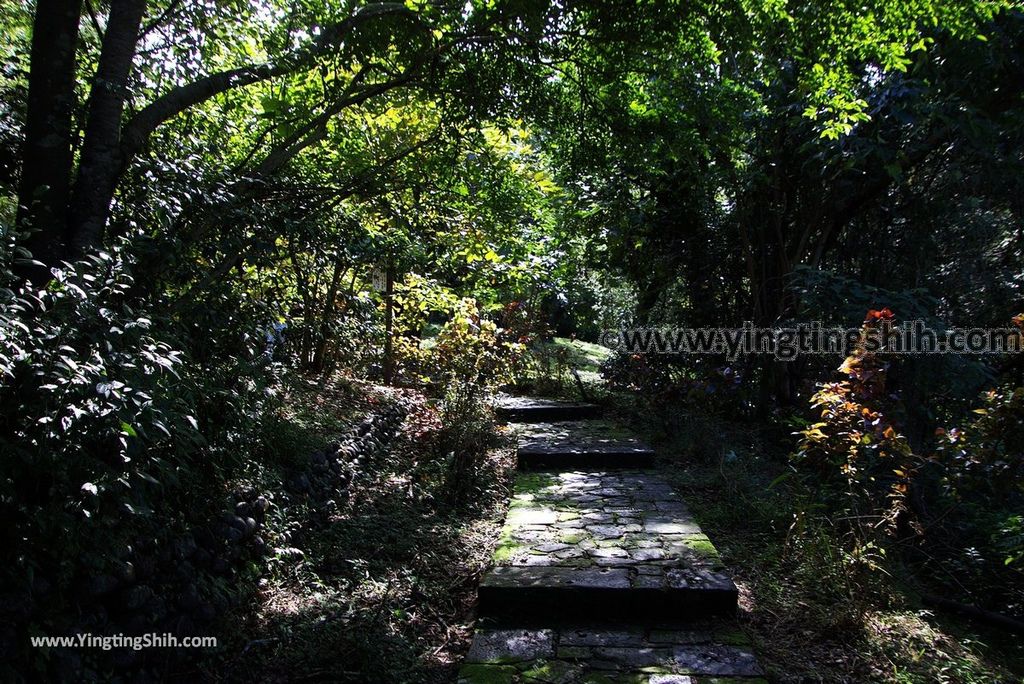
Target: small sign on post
380, 279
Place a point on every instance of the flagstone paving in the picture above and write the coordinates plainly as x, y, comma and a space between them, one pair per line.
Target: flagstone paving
623, 543
602, 574
579, 444
687, 653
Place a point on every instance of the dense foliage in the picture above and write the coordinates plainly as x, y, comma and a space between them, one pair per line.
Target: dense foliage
201, 201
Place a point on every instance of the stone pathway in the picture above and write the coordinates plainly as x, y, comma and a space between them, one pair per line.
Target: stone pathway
579, 444
601, 573
528, 410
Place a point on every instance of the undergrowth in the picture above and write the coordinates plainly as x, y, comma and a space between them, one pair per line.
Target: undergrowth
384, 589
806, 616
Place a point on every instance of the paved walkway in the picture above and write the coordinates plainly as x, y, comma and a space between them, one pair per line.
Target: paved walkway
601, 574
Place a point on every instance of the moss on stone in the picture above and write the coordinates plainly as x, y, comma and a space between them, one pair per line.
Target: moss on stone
503, 554
487, 674
572, 537
550, 671
596, 678
703, 547
507, 547
531, 483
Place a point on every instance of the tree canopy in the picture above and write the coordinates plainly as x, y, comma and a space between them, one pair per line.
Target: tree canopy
188, 183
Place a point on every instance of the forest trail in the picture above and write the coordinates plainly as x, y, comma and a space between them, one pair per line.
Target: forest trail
601, 573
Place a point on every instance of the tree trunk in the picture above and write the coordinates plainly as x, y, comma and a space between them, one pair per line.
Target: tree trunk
101, 162
389, 324
327, 318
46, 155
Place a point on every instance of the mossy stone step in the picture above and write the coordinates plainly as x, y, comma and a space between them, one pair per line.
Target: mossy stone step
691, 653
569, 445
601, 574
532, 410
617, 544
610, 592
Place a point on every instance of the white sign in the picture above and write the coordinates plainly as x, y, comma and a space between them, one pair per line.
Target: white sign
380, 279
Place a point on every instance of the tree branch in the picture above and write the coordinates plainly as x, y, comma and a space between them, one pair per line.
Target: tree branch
176, 101
159, 19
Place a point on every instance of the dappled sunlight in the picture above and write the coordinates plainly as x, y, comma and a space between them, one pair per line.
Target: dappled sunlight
512, 342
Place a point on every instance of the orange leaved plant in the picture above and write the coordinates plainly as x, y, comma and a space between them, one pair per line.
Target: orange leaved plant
854, 449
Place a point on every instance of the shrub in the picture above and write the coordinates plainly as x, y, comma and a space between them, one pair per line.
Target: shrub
983, 478
112, 433
985, 458
471, 355
704, 381
855, 457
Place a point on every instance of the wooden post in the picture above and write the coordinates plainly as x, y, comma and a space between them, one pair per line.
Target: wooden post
389, 323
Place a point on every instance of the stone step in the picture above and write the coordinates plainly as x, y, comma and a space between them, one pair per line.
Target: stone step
569, 456
619, 545
569, 445
614, 592
532, 410
601, 573
671, 653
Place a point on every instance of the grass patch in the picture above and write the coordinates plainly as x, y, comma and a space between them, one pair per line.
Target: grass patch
532, 483
584, 356
549, 365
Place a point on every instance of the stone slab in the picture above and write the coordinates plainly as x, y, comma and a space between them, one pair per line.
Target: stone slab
633, 653
531, 410
567, 445
581, 544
